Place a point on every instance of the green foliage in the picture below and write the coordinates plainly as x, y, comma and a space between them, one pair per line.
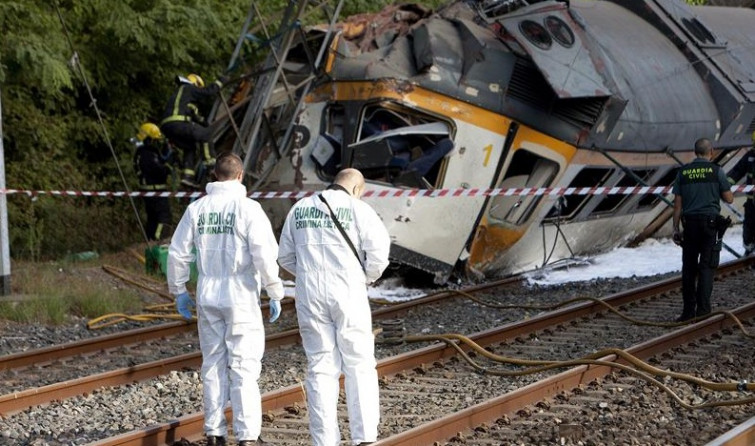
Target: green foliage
127, 52
47, 310
92, 303
82, 302
52, 293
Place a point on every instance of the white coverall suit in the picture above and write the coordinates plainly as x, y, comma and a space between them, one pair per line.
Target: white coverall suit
236, 252
334, 315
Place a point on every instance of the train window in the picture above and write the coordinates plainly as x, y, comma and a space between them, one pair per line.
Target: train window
536, 33
610, 203
401, 146
560, 31
526, 170
327, 150
650, 200
569, 205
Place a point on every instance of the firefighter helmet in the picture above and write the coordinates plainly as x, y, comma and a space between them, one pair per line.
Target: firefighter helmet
196, 80
149, 130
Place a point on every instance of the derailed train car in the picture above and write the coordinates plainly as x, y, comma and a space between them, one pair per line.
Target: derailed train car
508, 94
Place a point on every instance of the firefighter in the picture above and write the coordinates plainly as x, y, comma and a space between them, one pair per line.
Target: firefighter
152, 163
746, 167
184, 123
698, 189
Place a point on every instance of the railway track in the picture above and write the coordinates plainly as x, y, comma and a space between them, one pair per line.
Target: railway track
63, 371
434, 374
588, 400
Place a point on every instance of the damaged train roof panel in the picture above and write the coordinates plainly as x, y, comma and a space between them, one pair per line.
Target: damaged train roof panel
592, 73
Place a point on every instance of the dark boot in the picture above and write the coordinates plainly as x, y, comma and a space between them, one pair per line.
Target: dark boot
213, 440
256, 442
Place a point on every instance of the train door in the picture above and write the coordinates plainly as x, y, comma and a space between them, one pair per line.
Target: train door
534, 161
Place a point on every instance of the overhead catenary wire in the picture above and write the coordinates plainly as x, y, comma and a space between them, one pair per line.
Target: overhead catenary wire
76, 64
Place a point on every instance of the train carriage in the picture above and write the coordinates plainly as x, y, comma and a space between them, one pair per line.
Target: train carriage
512, 94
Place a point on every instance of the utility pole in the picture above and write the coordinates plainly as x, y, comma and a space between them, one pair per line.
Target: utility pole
4, 247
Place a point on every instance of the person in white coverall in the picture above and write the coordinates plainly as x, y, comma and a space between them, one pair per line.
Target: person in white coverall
236, 253
335, 321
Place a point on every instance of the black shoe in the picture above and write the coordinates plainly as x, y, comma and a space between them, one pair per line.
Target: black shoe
213, 440
251, 442
684, 318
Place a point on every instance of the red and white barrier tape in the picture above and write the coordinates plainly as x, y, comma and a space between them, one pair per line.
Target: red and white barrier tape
394, 193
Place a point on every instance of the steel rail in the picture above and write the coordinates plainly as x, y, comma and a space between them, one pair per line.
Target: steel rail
135, 336
190, 426
488, 411
99, 343
742, 435
17, 401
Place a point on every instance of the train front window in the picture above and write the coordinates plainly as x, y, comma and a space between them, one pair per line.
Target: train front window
526, 170
401, 146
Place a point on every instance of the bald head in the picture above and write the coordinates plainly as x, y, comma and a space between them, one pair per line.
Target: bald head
351, 180
703, 148
228, 167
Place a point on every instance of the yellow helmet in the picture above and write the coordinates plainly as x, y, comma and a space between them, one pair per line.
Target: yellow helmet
196, 80
149, 130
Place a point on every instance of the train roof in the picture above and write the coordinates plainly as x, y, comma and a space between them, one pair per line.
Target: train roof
631, 75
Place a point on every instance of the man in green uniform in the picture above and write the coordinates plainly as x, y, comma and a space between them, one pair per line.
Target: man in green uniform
698, 188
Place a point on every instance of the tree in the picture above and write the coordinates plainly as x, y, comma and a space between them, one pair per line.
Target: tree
129, 52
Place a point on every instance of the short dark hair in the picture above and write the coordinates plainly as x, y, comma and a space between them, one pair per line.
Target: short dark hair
703, 146
228, 166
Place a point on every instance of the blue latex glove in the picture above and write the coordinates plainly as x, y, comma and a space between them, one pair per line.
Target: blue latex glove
275, 310
184, 304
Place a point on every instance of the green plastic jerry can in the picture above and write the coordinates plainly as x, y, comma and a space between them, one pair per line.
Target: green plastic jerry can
156, 262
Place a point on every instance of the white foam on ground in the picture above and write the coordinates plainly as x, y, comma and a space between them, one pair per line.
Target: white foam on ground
654, 256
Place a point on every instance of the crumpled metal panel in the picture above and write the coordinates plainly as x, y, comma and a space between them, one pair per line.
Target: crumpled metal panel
453, 56
625, 83
669, 104
570, 70
736, 27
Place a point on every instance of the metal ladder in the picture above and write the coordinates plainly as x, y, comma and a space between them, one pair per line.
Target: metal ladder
264, 134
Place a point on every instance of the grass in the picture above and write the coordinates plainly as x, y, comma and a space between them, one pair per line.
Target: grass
53, 292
